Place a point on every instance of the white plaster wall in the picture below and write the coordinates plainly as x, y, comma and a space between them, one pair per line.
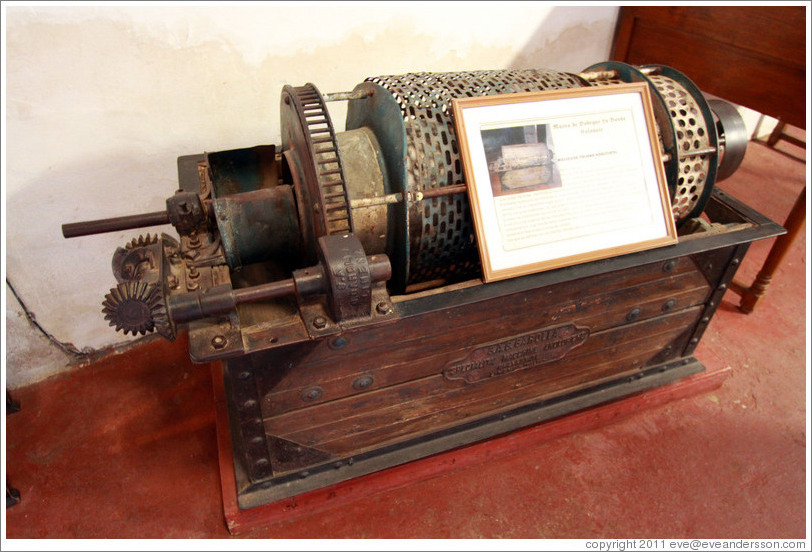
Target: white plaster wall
31, 355
101, 100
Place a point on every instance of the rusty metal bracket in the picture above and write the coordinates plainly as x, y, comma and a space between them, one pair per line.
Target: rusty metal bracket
347, 289
347, 271
736, 254
215, 340
186, 212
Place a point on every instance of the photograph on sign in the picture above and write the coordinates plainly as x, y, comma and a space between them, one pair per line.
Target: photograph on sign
562, 177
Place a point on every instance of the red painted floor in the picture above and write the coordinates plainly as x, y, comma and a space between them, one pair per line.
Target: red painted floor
127, 447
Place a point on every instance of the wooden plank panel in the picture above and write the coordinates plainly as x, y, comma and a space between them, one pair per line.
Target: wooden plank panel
426, 390
421, 405
424, 360
417, 419
334, 371
571, 291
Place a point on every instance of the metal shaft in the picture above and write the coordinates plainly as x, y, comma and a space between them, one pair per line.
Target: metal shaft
410, 196
263, 292
219, 300
339, 96
76, 229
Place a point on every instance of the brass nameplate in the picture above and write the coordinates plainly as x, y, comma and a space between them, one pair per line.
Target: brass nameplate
517, 353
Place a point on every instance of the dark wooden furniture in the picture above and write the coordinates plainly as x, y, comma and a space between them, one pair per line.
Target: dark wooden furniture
750, 295
752, 56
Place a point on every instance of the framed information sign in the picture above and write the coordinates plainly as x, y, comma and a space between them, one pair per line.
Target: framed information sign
561, 177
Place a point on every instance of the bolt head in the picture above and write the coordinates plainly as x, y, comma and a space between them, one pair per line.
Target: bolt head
362, 382
338, 343
319, 322
312, 394
218, 341
383, 308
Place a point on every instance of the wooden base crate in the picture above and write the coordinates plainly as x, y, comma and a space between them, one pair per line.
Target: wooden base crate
471, 361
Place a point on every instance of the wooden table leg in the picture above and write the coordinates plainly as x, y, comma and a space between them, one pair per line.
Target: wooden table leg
795, 221
776, 134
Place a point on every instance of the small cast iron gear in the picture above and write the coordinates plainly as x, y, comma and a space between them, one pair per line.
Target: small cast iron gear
142, 241
163, 325
135, 307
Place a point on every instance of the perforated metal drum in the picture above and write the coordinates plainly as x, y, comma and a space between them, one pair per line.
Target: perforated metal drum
430, 235
433, 238
686, 128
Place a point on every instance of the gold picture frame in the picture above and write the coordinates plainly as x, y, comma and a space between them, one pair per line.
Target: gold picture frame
563, 177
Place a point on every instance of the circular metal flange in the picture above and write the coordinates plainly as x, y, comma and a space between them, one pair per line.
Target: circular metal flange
733, 136
312, 153
695, 133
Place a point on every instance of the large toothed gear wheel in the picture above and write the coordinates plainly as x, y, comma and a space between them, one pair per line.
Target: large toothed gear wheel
309, 140
137, 307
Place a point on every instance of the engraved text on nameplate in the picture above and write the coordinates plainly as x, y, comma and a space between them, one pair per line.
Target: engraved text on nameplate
523, 351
